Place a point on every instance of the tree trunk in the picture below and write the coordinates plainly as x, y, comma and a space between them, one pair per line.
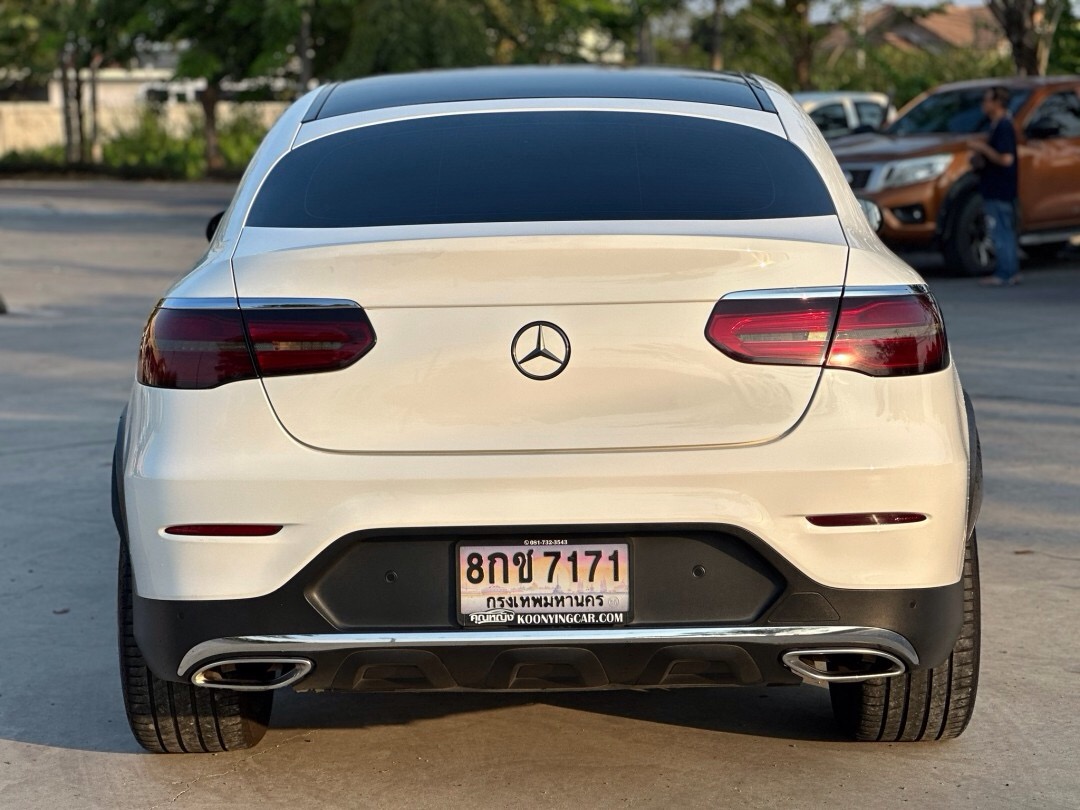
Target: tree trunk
802, 41
95, 146
71, 153
1030, 30
209, 99
306, 50
82, 145
716, 40
644, 47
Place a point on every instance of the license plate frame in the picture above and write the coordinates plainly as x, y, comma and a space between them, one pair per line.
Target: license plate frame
601, 601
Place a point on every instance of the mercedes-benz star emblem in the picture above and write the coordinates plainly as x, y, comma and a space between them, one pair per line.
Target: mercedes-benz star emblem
540, 350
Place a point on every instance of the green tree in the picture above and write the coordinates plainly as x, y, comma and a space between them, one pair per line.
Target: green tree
1065, 51
218, 41
387, 36
1029, 26
70, 37
27, 54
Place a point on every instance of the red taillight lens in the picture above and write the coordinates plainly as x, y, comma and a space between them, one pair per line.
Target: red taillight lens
194, 348
302, 341
205, 348
877, 334
786, 331
890, 336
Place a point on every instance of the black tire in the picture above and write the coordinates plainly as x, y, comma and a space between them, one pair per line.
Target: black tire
176, 718
1046, 251
929, 704
967, 247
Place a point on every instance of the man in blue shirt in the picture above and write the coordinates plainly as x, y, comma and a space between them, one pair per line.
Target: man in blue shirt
997, 185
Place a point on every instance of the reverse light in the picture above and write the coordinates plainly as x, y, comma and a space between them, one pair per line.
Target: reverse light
882, 332
191, 346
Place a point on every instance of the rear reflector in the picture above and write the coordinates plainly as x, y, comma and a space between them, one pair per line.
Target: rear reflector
205, 348
224, 530
882, 335
866, 519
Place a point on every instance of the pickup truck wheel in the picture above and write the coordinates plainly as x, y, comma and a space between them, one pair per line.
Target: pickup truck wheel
928, 704
174, 718
968, 248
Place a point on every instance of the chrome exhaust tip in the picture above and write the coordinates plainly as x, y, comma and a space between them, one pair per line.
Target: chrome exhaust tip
252, 674
847, 665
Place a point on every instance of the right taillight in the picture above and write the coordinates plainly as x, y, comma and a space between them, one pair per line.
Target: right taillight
882, 332
196, 347
889, 336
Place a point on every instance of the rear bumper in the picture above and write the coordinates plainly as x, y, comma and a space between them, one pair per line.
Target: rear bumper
548, 660
731, 626
864, 445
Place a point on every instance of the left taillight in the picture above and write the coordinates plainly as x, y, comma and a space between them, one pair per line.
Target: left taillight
203, 348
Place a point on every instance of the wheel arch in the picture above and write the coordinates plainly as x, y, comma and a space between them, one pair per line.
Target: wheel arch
965, 185
117, 486
975, 468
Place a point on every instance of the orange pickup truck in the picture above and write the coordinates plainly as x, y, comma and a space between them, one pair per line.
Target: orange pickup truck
919, 173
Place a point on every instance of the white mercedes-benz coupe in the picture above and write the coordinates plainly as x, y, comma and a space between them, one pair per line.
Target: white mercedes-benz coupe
545, 378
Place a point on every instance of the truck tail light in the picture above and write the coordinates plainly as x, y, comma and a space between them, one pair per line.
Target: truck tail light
882, 332
196, 347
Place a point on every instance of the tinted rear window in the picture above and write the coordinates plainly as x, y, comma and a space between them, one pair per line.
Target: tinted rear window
537, 167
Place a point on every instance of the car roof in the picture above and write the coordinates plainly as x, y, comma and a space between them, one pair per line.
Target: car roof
1008, 81
484, 84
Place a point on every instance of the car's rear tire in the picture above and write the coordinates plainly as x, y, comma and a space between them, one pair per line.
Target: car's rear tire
175, 718
967, 247
929, 704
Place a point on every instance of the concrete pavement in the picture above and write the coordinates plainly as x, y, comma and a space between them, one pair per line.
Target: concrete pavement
81, 265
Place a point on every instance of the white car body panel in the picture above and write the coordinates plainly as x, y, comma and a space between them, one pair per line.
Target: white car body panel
634, 307
852, 444
227, 460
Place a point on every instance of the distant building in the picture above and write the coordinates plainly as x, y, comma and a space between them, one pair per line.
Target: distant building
913, 29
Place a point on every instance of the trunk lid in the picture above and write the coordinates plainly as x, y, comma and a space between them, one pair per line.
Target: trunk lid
441, 377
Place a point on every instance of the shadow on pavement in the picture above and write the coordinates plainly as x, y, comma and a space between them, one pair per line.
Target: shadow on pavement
795, 713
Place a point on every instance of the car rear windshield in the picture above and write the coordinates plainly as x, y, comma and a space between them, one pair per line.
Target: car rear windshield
534, 167
956, 111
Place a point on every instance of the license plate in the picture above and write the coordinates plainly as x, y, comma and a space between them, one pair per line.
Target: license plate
538, 583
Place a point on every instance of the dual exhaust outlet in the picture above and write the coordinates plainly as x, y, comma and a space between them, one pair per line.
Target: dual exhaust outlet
818, 667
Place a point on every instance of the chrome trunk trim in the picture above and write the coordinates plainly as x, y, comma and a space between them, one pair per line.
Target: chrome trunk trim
255, 303
800, 637
885, 290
